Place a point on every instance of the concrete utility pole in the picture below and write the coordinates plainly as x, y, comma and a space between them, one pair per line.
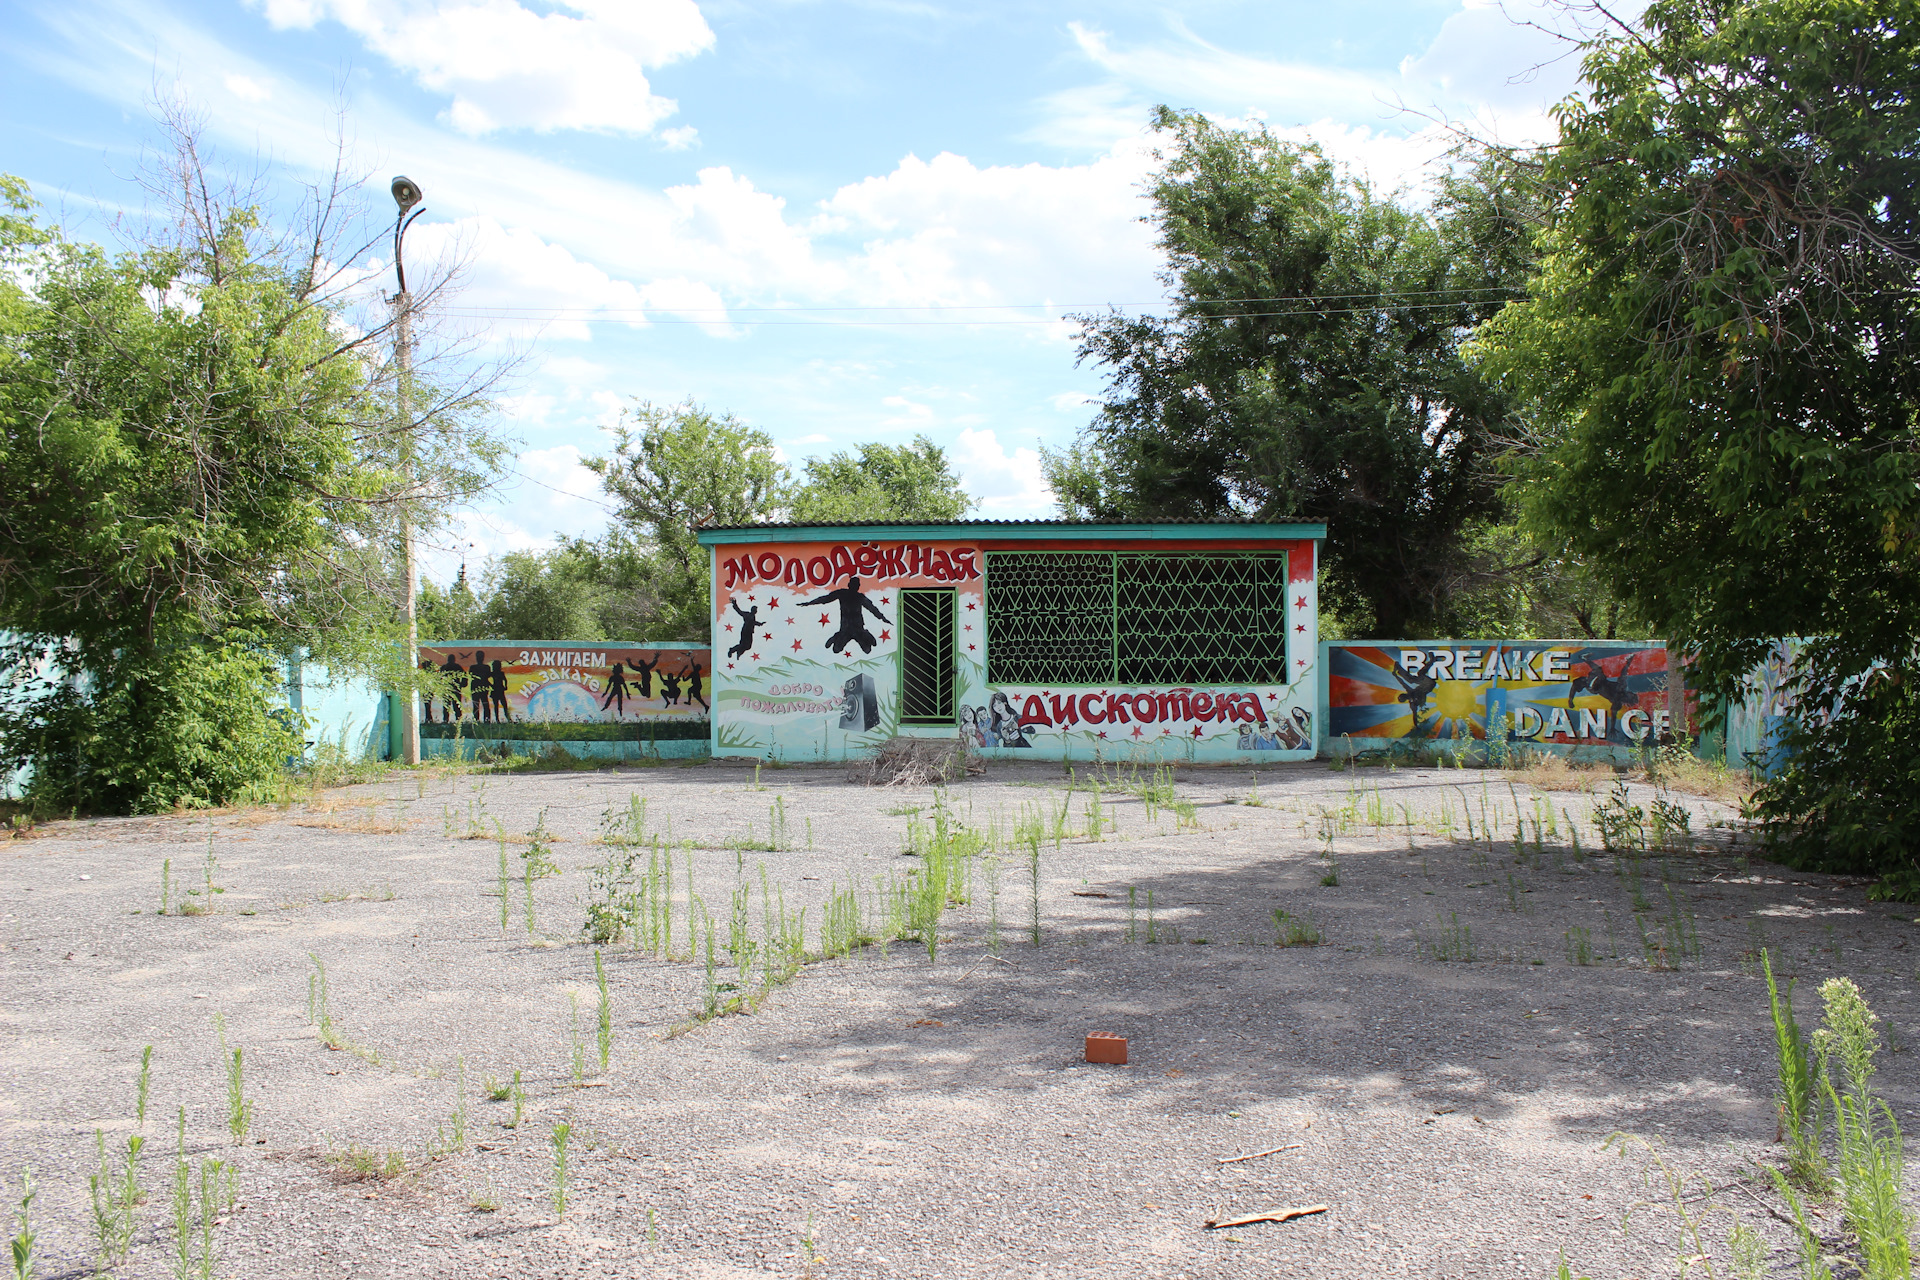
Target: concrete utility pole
408, 197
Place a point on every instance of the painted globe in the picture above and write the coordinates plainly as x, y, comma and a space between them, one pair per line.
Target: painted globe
563, 701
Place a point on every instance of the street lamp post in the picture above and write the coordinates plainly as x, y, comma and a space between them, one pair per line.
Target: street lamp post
407, 195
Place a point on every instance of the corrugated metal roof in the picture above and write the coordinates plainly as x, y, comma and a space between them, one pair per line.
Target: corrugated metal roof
991, 531
977, 524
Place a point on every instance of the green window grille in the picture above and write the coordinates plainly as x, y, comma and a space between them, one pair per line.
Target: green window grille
1200, 619
926, 657
1049, 617
1097, 617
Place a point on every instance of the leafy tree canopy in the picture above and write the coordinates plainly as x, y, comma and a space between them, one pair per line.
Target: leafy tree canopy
1311, 366
880, 482
202, 465
674, 471
1720, 358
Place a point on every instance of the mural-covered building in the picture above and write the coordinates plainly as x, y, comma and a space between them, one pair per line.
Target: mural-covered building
1147, 641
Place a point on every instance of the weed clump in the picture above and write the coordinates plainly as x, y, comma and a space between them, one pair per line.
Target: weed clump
1868, 1137
916, 762
1295, 931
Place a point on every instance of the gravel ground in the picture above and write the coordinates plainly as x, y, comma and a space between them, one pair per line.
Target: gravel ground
884, 1116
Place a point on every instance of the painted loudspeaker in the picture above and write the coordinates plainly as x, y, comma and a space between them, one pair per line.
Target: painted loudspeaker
862, 707
1107, 1049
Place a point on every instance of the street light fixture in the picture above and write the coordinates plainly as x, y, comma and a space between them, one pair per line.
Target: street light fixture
406, 194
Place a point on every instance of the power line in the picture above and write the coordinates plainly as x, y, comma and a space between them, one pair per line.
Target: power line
722, 317
1375, 296
515, 471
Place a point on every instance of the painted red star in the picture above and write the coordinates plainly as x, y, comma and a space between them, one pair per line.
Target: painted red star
729, 666
1165, 732
1299, 662
766, 635
1299, 626
751, 599
729, 626
754, 656
1103, 733
796, 646
969, 606
969, 626
789, 621
1273, 697
1136, 731
883, 599
886, 635
1301, 603
1198, 731
773, 602
823, 619
972, 647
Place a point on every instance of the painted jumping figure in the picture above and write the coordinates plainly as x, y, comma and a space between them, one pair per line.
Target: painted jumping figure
643, 676
853, 627
749, 623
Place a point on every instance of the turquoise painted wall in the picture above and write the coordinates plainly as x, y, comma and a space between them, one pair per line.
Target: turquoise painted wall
350, 713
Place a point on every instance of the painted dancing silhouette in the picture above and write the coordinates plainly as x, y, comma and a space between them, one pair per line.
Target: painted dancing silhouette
616, 690
1418, 688
693, 686
669, 689
853, 627
643, 676
1601, 685
750, 622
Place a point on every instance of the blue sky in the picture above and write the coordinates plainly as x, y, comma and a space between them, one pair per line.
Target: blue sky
839, 221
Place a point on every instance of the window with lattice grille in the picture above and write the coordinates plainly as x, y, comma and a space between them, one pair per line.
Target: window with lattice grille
1049, 617
926, 657
1099, 617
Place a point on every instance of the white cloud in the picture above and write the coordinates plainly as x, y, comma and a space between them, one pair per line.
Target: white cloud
1496, 67
247, 89
952, 233
907, 415
680, 139
548, 237
1190, 69
1009, 485
1071, 401
575, 64
515, 285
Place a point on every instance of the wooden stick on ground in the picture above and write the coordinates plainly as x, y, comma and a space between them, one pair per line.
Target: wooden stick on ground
1255, 1155
1266, 1215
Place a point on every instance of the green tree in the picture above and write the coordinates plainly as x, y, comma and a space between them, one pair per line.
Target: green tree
880, 482
201, 461
674, 471
449, 613
1311, 366
1724, 374
542, 595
